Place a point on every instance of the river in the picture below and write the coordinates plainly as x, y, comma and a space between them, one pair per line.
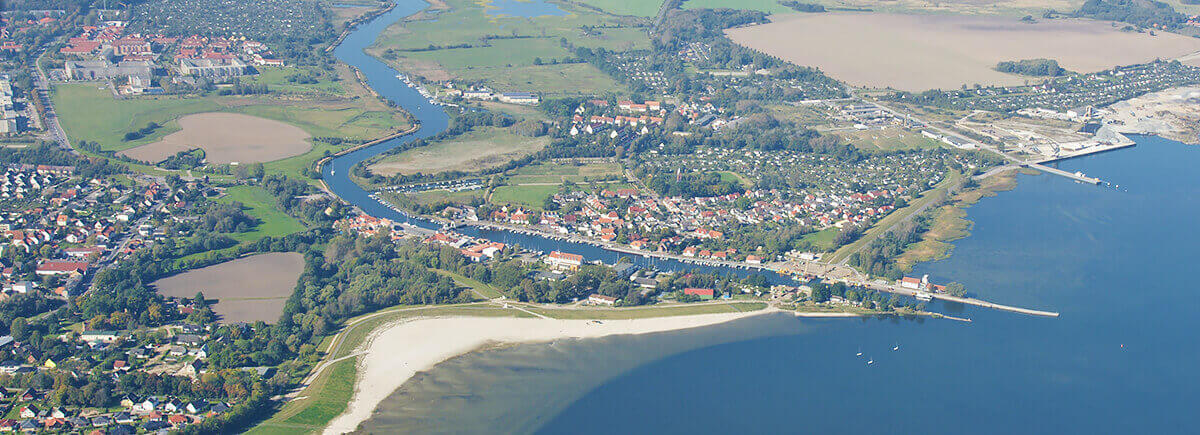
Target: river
1115, 262
433, 119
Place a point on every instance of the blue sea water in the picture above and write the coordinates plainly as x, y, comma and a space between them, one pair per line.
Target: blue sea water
1121, 359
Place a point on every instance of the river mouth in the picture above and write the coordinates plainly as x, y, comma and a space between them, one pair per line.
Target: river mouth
1115, 263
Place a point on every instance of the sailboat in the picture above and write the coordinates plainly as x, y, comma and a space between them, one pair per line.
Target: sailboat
870, 362
859, 352
897, 348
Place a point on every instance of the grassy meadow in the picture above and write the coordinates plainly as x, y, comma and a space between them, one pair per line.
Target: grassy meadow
505, 49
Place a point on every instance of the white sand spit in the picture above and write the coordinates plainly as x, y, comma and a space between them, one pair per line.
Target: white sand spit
397, 352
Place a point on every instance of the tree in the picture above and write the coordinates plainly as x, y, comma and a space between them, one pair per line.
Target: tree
956, 289
19, 329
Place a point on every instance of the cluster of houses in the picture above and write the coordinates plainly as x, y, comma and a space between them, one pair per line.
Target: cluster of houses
606, 214
211, 57
597, 116
149, 414
10, 26
70, 226
1093, 89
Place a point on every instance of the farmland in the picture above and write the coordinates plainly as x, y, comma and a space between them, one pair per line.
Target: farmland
228, 138
920, 52
472, 42
481, 148
247, 289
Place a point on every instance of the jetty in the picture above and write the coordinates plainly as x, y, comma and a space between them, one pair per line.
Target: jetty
919, 294
1077, 176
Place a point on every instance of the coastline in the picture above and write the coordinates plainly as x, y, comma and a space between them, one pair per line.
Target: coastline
395, 353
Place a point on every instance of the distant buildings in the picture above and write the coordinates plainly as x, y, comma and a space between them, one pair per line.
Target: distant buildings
105, 70
218, 67
564, 261
8, 124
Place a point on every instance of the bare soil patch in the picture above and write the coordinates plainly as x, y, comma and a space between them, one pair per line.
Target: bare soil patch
228, 138
920, 52
246, 289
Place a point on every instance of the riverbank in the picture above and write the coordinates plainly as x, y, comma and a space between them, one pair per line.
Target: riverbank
397, 352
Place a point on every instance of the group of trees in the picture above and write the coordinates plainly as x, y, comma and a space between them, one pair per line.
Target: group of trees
879, 258
142, 132
871, 299
1141, 13
1032, 67
47, 153
692, 185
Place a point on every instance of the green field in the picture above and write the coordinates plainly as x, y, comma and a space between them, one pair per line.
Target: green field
432, 197
638, 8
823, 240
551, 172
261, 205
88, 112
508, 63
889, 139
531, 196
276, 79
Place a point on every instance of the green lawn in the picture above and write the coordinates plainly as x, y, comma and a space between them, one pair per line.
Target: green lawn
768, 6
276, 79
528, 196
637, 8
823, 239
88, 112
508, 64
261, 205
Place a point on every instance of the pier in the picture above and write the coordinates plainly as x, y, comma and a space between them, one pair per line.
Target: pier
1077, 176
945, 297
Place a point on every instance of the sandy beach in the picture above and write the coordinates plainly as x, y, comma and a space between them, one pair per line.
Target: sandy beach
395, 353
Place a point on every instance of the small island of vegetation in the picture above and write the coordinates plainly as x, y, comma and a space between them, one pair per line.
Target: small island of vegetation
1032, 67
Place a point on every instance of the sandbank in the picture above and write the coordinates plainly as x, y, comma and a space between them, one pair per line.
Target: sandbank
395, 353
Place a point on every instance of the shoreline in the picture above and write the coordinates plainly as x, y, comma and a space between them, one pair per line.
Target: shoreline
396, 352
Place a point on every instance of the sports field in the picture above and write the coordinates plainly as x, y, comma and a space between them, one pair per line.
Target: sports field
247, 289
228, 138
480, 148
920, 52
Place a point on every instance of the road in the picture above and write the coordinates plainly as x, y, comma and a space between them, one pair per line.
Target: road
56, 132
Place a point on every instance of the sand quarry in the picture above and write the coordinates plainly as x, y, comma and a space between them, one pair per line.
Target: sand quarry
228, 138
921, 52
246, 289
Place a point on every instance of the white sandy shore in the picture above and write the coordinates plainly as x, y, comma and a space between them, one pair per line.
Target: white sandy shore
397, 352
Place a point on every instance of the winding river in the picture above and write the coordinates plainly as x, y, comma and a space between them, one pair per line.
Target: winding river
433, 119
